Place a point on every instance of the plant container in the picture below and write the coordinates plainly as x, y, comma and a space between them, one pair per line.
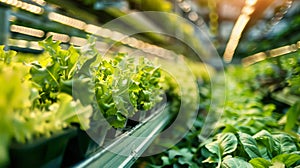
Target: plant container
42, 152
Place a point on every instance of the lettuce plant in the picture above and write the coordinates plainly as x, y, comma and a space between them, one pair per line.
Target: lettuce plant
23, 114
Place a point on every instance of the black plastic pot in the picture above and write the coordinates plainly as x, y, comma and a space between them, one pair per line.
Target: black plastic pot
82, 145
42, 152
77, 148
135, 119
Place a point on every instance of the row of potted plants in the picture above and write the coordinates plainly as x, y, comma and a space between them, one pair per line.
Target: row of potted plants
64, 98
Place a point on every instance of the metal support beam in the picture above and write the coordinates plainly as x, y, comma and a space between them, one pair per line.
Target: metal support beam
4, 25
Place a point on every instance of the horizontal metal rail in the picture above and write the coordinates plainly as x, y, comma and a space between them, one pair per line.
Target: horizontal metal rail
125, 150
